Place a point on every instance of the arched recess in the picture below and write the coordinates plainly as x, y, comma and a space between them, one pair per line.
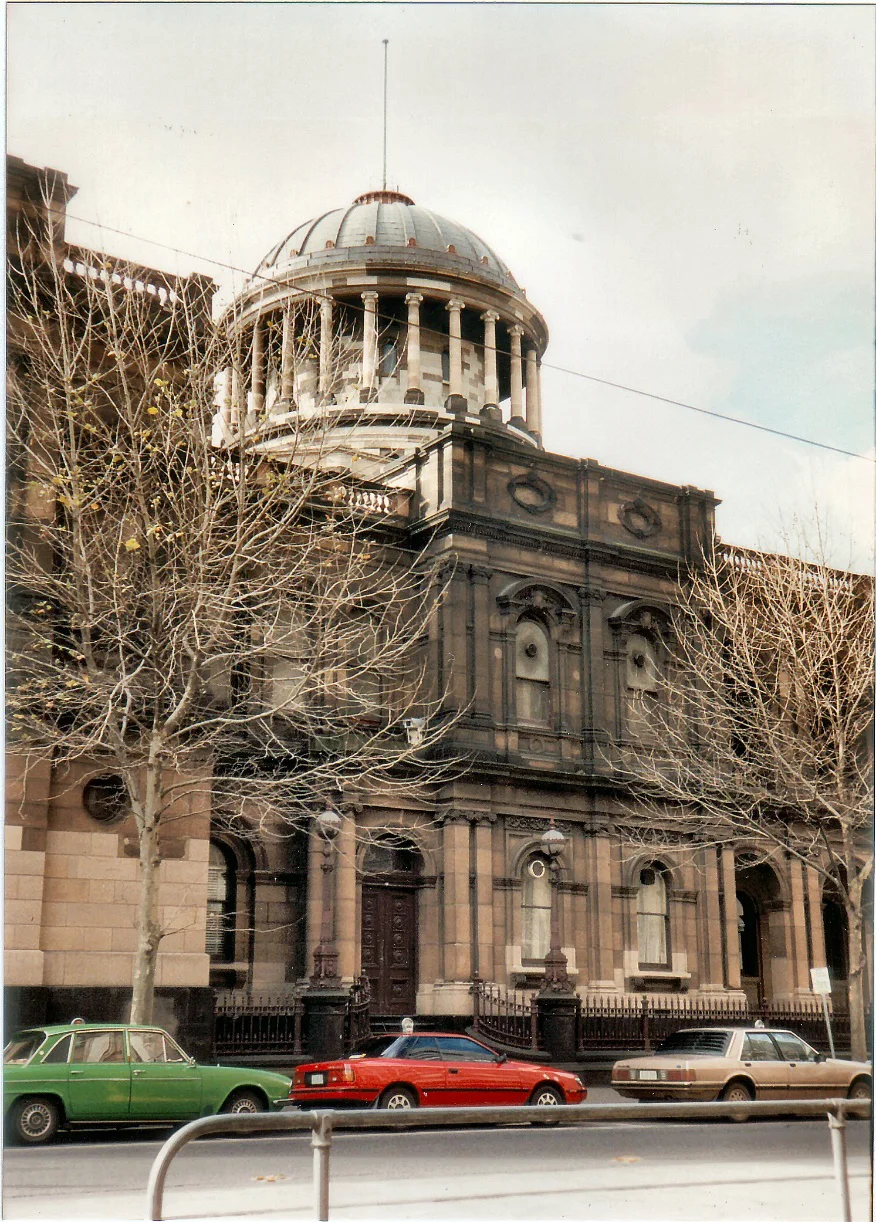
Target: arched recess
641, 630
538, 616
759, 901
391, 866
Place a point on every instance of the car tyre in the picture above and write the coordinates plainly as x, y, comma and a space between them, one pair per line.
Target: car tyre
546, 1096
737, 1092
397, 1098
244, 1103
861, 1088
34, 1120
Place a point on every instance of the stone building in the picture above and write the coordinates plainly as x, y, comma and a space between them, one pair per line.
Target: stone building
560, 575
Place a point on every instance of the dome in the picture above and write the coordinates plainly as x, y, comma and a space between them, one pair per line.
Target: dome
382, 221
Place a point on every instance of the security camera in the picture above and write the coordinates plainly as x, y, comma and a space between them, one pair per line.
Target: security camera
415, 730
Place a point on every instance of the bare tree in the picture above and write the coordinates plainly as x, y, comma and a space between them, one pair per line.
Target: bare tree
759, 729
197, 620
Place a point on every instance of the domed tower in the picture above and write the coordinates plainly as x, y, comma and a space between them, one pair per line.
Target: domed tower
392, 320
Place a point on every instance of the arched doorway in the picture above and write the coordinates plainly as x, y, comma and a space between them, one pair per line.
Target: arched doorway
757, 895
836, 943
391, 870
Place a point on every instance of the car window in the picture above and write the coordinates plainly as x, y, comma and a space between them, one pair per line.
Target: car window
147, 1047
98, 1048
172, 1051
793, 1048
21, 1047
59, 1053
421, 1048
702, 1042
759, 1046
458, 1048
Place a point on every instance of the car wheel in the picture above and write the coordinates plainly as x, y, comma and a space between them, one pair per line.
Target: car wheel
862, 1088
243, 1103
545, 1096
397, 1098
737, 1092
34, 1121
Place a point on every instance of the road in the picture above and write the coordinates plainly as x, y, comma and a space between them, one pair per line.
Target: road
764, 1170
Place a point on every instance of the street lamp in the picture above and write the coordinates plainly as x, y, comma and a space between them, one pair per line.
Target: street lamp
325, 957
556, 977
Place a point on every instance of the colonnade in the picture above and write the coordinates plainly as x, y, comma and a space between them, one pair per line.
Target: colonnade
525, 397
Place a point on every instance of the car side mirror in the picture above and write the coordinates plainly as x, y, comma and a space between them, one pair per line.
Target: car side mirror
501, 1058
820, 1058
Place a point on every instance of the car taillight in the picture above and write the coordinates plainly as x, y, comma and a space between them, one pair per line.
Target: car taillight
344, 1074
680, 1075
621, 1075
298, 1080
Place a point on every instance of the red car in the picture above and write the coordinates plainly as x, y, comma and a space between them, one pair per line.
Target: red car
432, 1069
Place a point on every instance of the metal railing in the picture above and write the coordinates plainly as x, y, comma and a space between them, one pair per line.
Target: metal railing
322, 1123
606, 1023
263, 1022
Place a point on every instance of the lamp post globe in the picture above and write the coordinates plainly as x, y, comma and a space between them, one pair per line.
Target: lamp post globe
328, 822
553, 841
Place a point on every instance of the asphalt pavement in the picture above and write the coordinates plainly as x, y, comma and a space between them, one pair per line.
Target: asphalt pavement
680, 1171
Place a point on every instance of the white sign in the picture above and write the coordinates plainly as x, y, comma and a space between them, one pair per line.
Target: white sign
820, 979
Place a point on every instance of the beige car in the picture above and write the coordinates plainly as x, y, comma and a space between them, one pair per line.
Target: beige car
739, 1064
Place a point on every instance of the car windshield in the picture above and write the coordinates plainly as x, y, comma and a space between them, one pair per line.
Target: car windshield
21, 1047
706, 1043
397, 1047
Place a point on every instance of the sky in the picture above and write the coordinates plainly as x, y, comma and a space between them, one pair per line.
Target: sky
685, 191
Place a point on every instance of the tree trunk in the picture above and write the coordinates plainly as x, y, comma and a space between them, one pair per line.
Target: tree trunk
857, 1018
148, 928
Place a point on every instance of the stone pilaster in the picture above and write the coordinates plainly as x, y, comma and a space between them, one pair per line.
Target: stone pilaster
483, 833
798, 951
369, 347
257, 400
533, 401
710, 966
347, 937
457, 907
601, 915
731, 918
816, 924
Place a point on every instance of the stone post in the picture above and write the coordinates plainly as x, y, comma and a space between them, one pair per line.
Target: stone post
368, 392
414, 392
491, 377
516, 334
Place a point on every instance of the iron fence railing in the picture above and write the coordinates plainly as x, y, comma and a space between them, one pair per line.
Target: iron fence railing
252, 1023
607, 1023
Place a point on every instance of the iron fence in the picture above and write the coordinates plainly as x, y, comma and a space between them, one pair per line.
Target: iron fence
606, 1023
247, 1023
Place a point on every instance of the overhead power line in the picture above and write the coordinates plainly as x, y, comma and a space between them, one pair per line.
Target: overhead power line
574, 373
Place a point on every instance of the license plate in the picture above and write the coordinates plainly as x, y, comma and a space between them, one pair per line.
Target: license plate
316, 1079
648, 1075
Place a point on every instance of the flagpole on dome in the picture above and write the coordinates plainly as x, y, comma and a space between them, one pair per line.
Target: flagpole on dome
385, 75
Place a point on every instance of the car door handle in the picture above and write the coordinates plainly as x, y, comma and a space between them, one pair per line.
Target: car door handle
75, 1073
138, 1073
453, 1071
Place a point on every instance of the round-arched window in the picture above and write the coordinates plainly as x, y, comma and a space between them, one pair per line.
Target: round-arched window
652, 917
535, 906
221, 889
533, 672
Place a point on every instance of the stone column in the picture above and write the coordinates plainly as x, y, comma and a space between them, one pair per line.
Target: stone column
731, 918
226, 398
414, 392
455, 308
257, 403
287, 358
237, 395
368, 392
798, 952
516, 334
491, 377
315, 881
346, 938
325, 348
533, 400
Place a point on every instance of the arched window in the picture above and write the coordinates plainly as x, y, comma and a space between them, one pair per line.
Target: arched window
533, 674
221, 892
835, 938
641, 664
747, 921
445, 365
652, 917
535, 906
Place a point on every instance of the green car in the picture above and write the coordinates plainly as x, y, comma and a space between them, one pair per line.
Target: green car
113, 1074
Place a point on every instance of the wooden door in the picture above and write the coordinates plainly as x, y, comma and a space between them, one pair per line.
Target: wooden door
389, 945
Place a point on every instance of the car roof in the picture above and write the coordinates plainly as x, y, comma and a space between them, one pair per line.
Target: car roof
85, 1025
